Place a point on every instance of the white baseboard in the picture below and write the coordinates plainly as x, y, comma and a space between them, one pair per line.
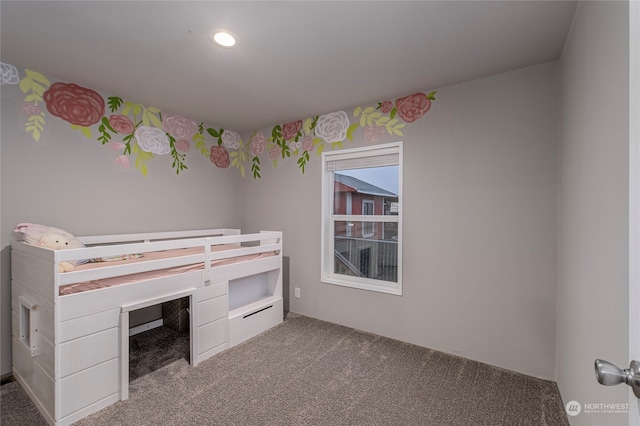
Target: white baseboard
146, 326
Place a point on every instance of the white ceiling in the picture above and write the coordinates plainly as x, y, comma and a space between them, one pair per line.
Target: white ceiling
293, 59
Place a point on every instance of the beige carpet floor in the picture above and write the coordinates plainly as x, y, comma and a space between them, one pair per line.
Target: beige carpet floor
310, 372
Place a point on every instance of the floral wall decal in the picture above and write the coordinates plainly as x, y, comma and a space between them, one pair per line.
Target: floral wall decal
139, 133
75, 104
257, 144
228, 140
152, 139
9, 74
219, 156
412, 107
179, 127
333, 127
33, 85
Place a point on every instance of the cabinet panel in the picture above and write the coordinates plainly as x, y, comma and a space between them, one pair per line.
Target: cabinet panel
211, 310
79, 354
88, 387
211, 291
212, 335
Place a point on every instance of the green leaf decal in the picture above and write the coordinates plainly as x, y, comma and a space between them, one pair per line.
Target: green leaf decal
351, 129
178, 159
276, 133
36, 76
201, 146
35, 125
141, 159
255, 168
114, 103
303, 161
105, 122
86, 132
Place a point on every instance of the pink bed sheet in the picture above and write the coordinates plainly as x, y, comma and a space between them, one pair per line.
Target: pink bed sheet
158, 273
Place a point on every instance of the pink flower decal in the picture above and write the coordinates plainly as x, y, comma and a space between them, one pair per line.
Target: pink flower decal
274, 152
219, 156
307, 143
179, 127
333, 127
152, 139
373, 134
75, 104
121, 124
258, 142
116, 146
122, 160
290, 130
230, 140
412, 107
30, 108
183, 145
386, 107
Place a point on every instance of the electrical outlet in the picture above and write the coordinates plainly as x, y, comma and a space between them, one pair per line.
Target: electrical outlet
296, 292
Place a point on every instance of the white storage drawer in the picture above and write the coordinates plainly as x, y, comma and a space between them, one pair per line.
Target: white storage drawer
212, 290
255, 321
211, 310
212, 335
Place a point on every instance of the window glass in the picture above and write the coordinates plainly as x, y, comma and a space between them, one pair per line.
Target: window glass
361, 218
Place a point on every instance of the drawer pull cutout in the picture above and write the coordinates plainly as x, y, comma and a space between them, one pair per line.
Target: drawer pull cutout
258, 311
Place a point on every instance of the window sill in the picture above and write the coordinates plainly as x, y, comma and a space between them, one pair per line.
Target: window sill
395, 289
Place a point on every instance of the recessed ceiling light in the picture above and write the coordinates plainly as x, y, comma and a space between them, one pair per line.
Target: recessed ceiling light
222, 38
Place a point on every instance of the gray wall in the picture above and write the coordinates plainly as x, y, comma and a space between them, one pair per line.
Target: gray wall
480, 216
479, 227
69, 181
593, 209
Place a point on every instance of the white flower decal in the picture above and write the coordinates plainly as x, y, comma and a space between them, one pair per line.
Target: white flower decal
9, 74
230, 140
333, 127
152, 139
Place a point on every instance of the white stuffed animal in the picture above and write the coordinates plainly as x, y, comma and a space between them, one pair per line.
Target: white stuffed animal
48, 237
60, 240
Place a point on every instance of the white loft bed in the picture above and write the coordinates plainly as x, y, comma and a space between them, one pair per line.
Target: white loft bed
71, 329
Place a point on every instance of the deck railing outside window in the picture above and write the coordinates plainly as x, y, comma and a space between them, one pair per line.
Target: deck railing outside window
363, 257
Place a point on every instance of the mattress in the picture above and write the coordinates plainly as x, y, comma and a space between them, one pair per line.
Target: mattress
158, 273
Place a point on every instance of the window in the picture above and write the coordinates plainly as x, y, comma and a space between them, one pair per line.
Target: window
361, 218
367, 209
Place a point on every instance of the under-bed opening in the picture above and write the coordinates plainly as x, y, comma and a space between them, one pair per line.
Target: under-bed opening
155, 348
165, 341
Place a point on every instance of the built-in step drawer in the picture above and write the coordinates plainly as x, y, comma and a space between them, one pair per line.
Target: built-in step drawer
257, 319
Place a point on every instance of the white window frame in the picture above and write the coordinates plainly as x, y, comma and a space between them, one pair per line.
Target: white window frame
363, 225
353, 156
